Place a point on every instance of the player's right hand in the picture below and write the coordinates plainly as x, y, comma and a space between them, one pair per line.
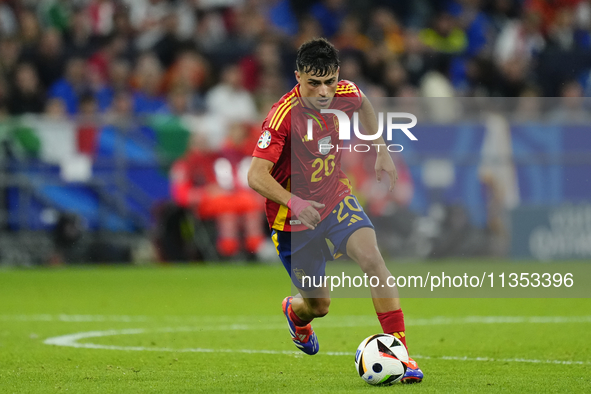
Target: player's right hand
306, 211
309, 216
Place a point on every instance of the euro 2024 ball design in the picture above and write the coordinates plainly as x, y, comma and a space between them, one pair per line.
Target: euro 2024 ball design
381, 359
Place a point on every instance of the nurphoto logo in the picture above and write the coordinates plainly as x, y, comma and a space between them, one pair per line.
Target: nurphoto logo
344, 126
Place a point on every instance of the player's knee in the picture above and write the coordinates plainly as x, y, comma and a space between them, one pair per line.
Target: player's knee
319, 306
371, 261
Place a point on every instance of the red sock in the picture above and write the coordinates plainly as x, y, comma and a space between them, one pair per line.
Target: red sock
296, 320
393, 323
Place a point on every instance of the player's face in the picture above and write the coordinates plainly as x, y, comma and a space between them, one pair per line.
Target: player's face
318, 91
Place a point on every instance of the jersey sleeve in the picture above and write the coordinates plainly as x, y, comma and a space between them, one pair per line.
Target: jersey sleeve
273, 137
349, 89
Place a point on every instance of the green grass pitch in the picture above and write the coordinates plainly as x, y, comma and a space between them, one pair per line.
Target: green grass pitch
219, 328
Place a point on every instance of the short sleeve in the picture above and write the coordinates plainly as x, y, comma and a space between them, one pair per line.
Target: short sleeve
272, 140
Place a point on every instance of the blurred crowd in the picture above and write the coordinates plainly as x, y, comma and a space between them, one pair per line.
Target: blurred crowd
204, 73
236, 57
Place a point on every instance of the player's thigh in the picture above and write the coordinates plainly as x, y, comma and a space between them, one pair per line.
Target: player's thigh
362, 246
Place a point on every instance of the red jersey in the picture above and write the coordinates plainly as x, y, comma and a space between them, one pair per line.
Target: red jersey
308, 168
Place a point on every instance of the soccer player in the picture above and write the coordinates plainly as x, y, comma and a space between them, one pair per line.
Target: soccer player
286, 160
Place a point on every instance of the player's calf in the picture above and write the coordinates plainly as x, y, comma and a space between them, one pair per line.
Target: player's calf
314, 307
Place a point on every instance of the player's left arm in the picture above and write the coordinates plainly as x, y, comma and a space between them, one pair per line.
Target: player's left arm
384, 162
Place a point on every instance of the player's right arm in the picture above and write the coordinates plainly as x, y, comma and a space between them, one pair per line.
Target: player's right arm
261, 181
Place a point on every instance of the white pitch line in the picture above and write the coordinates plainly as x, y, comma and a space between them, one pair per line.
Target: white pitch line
342, 321
71, 340
76, 318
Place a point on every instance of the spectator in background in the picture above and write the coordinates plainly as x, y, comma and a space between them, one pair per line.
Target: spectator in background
265, 59
120, 112
414, 59
547, 10
147, 16
502, 12
189, 70
238, 146
111, 48
172, 132
101, 14
178, 102
476, 76
282, 17
563, 33
9, 56
170, 43
211, 30
87, 126
79, 38
30, 31
351, 69
520, 39
27, 94
118, 80
310, 28
445, 36
72, 86
94, 79
583, 14
330, 14
394, 78
50, 57
8, 22
513, 77
186, 12
56, 14
384, 28
237, 150
122, 137
123, 29
249, 25
349, 36
436, 84
229, 99
474, 22
271, 88
212, 187
147, 80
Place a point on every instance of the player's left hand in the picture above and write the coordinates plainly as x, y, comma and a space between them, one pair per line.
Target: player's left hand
384, 163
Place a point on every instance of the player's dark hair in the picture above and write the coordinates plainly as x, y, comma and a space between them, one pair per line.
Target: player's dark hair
317, 57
